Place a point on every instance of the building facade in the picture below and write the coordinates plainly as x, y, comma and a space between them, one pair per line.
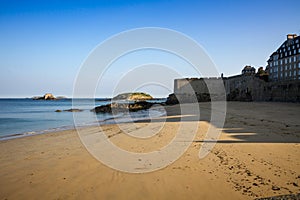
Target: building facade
248, 70
284, 63
279, 82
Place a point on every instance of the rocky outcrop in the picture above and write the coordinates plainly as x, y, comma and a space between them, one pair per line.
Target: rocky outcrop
126, 102
70, 110
172, 99
188, 98
47, 96
122, 107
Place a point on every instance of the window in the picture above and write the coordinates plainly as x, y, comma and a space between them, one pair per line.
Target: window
297, 45
285, 67
290, 59
294, 51
297, 41
289, 48
294, 73
285, 53
294, 58
280, 62
290, 53
299, 65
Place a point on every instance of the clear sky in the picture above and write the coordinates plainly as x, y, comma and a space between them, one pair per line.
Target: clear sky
43, 43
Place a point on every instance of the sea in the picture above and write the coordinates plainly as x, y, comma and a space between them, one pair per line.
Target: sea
21, 117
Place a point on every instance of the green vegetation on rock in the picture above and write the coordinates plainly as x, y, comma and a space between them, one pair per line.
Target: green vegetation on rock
135, 96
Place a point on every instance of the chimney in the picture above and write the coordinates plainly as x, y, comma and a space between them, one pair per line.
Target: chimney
291, 36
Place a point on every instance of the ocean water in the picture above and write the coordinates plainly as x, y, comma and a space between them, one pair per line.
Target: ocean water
21, 117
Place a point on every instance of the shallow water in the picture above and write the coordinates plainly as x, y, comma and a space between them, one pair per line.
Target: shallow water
19, 117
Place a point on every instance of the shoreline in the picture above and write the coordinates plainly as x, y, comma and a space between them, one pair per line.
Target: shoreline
257, 155
106, 121
111, 120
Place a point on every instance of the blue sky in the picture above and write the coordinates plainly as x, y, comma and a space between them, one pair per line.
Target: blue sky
44, 43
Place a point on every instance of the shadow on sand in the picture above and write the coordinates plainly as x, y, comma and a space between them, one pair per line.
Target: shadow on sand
245, 124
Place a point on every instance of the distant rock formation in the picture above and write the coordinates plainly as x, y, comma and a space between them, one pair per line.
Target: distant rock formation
70, 110
47, 96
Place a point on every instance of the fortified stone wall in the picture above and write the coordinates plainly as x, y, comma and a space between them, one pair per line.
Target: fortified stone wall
288, 91
245, 88
237, 88
199, 85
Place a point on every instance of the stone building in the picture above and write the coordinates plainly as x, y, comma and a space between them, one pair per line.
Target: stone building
248, 70
189, 90
244, 87
284, 63
279, 82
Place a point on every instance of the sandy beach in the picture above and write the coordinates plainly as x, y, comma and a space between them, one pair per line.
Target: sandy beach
257, 155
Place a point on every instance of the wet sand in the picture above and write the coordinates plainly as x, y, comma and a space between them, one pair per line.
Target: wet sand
257, 155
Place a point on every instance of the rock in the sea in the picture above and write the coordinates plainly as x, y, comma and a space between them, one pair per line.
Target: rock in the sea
73, 110
126, 102
172, 99
122, 107
190, 98
70, 110
47, 96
